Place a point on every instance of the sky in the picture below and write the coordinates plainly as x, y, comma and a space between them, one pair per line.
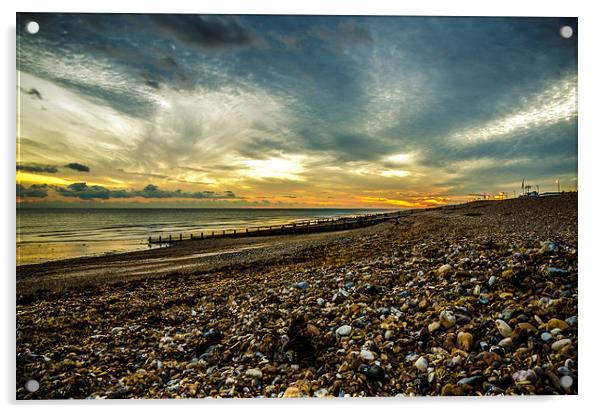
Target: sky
292, 111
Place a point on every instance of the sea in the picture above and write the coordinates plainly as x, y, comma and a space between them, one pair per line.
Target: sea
54, 234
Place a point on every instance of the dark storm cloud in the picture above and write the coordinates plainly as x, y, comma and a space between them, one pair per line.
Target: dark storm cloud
205, 31
33, 191
83, 191
37, 168
78, 167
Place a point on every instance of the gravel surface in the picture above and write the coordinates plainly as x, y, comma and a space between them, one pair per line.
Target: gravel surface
478, 299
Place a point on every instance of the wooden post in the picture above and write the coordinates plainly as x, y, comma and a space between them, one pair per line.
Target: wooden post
149, 240
170, 238
234, 232
180, 237
212, 234
201, 235
159, 239
247, 230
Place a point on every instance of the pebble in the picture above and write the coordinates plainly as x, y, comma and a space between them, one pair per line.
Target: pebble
471, 381
343, 331
492, 280
366, 355
291, 392
445, 269
505, 342
421, 364
571, 320
556, 323
303, 285
525, 375
566, 382
434, 326
373, 372
464, 341
558, 345
254, 373
504, 329
553, 271
548, 246
545, 336
320, 301
447, 319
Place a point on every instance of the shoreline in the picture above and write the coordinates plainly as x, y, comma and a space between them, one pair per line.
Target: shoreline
117, 246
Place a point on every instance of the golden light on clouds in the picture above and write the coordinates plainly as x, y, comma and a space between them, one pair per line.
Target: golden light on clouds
286, 168
394, 173
37, 179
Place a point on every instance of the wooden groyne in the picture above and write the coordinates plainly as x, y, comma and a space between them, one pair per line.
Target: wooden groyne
299, 227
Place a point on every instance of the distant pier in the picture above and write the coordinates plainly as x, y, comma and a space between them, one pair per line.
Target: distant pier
299, 227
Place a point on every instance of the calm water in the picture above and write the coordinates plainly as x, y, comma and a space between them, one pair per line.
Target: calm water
51, 234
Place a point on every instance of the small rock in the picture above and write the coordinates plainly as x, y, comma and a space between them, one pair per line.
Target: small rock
374, 372
553, 271
558, 345
556, 323
506, 342
492, 280
434, 326
548, 246
321, 393
504, 329
571, 320
471, 381
464, 341
525, 375
320, 301
254, 373
445, 269
303, 285
367, 355
421, 364
447, 319
545, 336
566, 382
343, 331
292, 392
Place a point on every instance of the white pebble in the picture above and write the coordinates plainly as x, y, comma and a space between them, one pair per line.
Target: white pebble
566, 382
421, 364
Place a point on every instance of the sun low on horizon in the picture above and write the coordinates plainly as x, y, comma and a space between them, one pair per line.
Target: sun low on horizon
118, 110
